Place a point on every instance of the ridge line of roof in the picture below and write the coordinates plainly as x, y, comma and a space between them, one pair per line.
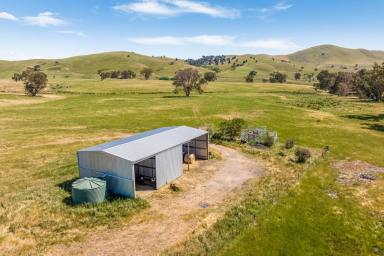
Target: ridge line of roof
171, 128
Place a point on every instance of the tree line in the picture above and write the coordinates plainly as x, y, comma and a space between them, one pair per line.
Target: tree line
365, 83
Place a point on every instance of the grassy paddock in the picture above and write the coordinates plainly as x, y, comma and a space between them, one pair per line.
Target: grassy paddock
39, 141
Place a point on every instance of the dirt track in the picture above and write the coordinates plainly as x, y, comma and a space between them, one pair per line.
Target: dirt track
173, 216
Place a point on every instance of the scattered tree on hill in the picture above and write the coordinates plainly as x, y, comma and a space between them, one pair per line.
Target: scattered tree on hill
34, 80
297, 76
250, 77
146, 73
370, 83
277, 77
116, 74
189, 79
210, 76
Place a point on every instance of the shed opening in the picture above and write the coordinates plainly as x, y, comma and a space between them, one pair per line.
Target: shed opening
198, 147
145, 174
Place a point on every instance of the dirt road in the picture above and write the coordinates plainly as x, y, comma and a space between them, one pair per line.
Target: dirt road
173, 216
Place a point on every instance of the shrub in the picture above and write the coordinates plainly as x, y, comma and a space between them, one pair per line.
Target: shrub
217, 136
250, 77
268, 140
231, 129
210, 76
174, 188
277, 77
289, 143
302, 155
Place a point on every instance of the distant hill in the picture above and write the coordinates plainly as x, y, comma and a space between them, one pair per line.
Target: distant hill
311, 60
87, 66
232, 67
326, 55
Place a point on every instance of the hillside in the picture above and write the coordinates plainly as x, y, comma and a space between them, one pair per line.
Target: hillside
87, 66
311, 60
232, 67
326, 55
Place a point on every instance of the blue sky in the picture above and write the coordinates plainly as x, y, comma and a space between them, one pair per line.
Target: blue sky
185, 28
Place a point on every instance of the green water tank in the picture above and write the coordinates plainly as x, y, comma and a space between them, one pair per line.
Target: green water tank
88, 190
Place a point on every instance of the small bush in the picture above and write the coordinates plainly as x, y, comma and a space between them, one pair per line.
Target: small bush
165, 78
302, 155
174, 188
289, 144
268, 140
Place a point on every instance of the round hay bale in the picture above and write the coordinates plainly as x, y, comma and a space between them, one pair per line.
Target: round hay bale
189, 158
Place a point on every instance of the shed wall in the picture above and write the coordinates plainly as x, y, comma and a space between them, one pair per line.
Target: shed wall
169, 165
117, 171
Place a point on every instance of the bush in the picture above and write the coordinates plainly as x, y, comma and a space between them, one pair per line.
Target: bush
174, 188
277, 77
165, 78
302, 155
289, 143
231, 129
268, 140
217, 136
210, 76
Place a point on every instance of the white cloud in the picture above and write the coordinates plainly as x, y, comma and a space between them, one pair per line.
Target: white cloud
216, 40
7, 16
282, 6
176, 7
71, 32
213, 40
264, 13
280, 44
44, 19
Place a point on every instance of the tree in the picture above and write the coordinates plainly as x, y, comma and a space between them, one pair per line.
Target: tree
189, 79
370, 83
277, 77
297, 76
146, 73
343, 84
326, 80
250, 77
34, 80
231, 129
210, 76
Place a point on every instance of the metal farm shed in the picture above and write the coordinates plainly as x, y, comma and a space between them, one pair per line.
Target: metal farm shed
153, 157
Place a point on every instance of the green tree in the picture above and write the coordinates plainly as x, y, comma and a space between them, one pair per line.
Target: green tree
326, 80
189, 79
370, 83
297, 76
34, 80
250, 77
210, 76
146, 73
231, 129
277, 77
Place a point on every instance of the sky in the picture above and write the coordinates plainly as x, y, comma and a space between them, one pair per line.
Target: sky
185, 28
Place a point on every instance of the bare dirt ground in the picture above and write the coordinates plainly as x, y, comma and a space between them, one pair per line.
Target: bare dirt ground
206, 192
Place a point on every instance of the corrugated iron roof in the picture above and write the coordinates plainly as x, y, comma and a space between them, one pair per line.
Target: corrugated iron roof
143, 145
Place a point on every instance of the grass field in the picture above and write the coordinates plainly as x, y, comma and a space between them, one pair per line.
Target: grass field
39, 138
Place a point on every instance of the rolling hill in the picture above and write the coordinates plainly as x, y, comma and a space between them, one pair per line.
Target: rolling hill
232, 68
87, 66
